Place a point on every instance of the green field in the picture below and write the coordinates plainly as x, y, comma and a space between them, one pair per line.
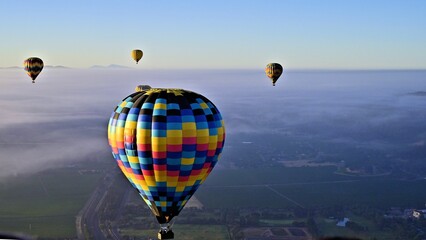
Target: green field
309, 187
45, 204
276, 175
381, 194
312, 188
328, 228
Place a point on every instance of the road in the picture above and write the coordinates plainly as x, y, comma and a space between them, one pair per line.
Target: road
284, 196
113, 230
88, 217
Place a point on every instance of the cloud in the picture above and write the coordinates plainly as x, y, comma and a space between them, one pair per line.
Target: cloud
62, 118
34, 146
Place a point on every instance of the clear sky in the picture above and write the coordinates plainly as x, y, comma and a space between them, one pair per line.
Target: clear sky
330, 34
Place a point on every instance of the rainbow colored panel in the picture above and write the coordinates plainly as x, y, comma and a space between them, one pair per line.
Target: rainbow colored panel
166, 142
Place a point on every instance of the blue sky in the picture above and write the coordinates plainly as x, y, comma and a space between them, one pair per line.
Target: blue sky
327, 34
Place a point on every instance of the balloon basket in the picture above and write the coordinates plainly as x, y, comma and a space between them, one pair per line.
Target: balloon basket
165, 233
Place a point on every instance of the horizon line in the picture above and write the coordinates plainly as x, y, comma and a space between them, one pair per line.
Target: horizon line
125, 67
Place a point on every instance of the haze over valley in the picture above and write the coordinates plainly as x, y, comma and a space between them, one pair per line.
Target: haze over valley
355, 136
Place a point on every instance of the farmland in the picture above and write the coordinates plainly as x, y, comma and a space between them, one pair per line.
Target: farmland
282, 197
46, 204
310, 187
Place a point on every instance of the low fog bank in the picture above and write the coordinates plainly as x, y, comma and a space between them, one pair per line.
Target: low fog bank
63, 117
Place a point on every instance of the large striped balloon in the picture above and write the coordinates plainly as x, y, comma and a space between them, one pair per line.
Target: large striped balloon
166, 142
33, 66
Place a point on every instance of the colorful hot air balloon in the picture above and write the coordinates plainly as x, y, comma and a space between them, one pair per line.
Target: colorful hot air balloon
141, 88
33, 66
273, 71
137, 55
166, 142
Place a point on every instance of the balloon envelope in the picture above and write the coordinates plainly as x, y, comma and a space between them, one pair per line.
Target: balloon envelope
137, 55
33, 66
166, 142
273, 71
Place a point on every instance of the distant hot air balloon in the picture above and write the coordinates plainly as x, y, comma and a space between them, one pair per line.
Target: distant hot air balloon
166, 142
141, 88
137, 55
273, 71
33, 66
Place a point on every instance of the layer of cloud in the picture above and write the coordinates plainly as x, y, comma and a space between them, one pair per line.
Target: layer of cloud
62, 118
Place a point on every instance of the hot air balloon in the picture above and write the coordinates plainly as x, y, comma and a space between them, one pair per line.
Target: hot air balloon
141, 88
33, 66
137, 55
166, 142
273, 71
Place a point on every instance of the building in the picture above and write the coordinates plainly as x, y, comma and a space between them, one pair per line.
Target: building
421, 213
343, 222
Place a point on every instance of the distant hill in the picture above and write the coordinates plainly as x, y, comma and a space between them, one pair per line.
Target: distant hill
57, 67
13, 67
418, 93
111, 66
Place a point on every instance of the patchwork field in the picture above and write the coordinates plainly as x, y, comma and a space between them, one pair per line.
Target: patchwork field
46, 203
